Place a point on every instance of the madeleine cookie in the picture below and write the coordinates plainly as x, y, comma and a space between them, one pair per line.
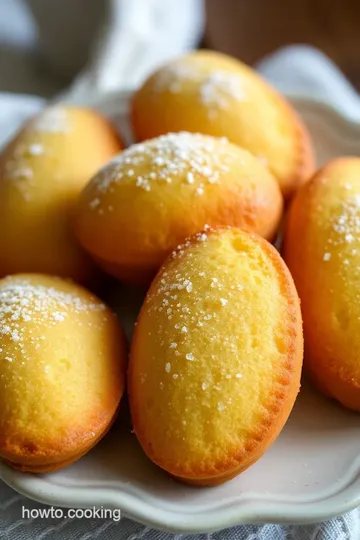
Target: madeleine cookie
155, 194
42, 172
322, 249
212, 93
62, 364
216, 357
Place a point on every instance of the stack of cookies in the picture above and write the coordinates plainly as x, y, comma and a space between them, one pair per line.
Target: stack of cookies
189, 212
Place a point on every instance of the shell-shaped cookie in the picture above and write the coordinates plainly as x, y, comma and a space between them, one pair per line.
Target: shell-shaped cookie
216, 357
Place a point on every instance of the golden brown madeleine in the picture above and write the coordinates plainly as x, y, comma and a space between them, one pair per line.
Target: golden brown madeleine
212, 93
62, 370
322, 249
216, 357
155, 194
42, 172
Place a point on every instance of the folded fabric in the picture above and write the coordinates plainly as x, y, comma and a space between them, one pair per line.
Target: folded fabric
304, 71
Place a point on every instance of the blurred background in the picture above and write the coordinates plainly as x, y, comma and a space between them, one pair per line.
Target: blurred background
49, 45
251, 29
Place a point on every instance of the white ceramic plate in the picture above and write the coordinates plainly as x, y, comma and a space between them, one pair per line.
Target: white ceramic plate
311, 473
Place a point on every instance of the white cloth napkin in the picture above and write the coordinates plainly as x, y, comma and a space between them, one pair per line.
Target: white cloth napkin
294, 70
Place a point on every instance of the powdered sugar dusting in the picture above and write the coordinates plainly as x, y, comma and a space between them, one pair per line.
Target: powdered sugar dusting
52, 120
344, 231
348, 222
36, 149
94, 203
18, 167
173, 76
219, 88
18, 171
191, 302
23, 303
194, 159
215, 90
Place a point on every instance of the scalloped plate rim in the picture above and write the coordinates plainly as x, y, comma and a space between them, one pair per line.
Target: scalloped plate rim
249, 512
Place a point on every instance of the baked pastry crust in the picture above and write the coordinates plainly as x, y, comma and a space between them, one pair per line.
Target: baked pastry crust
155, 194
216, 357
42, 171
322, 250
62, 371
209, 92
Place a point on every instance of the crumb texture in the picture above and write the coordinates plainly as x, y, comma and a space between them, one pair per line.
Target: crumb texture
216, 354
322, 249
61, 366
